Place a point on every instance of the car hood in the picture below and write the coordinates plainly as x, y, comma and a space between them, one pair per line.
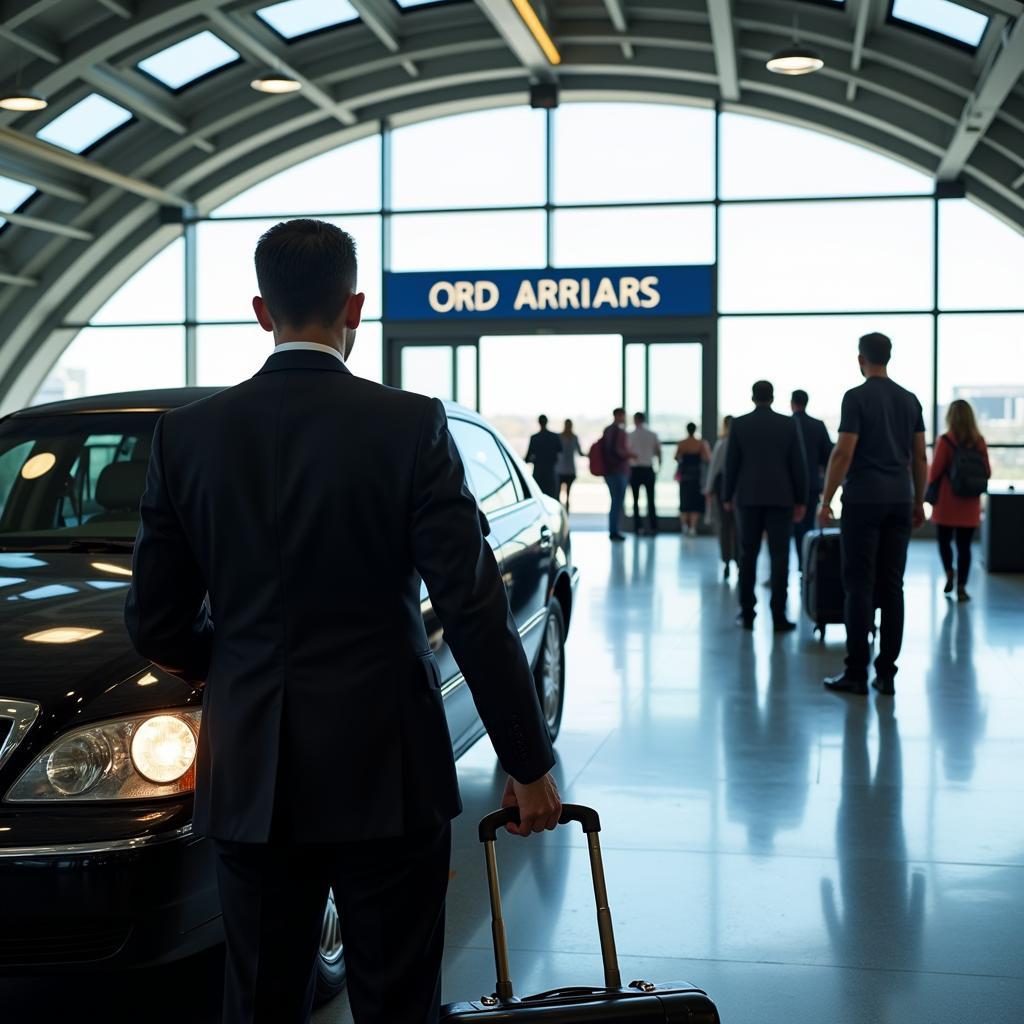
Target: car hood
100, 676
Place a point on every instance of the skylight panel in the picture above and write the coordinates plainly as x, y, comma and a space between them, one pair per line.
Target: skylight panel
188, 60
294, 18
942, 16
84, 124
414, 3
12, 195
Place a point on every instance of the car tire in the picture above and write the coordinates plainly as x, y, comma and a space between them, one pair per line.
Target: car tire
330, 965
550, 671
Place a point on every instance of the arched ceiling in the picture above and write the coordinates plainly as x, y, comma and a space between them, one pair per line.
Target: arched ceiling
954, 112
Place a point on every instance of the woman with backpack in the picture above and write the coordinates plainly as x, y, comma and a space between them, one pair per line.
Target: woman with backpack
958, 478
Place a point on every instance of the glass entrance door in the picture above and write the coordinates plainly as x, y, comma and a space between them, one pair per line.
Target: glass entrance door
447, 370
665, 379
513, 379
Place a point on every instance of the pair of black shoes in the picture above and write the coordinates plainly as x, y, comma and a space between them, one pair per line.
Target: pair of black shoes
842, 683
616, 536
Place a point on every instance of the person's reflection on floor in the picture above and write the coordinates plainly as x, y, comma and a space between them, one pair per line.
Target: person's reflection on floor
958, 714
767, 750
882, 916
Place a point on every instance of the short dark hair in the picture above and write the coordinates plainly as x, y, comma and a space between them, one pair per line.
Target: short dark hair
799, 397
306, 270
618, 411
642, 417
691, 429
762, 391
542, 420
876, 348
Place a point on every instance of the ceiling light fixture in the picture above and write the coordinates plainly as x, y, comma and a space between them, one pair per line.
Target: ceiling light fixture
22, 101
537, 30
795, 60
275, 83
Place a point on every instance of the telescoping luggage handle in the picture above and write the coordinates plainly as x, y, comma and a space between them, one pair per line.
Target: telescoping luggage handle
591, 823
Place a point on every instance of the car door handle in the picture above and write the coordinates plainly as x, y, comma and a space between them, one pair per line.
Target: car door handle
545, 539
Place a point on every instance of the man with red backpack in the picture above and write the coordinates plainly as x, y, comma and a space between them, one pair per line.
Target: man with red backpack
610, 457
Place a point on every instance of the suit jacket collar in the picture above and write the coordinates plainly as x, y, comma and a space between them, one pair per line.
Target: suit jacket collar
303, 359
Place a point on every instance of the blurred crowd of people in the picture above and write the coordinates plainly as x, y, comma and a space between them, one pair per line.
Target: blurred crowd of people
771, 477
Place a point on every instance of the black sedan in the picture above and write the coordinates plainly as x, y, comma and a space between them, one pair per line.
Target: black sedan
98, 863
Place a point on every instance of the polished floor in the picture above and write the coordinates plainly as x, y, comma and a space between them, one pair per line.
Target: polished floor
806, 858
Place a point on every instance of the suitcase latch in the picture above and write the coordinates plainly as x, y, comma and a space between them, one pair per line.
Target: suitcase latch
642, 986
488, 1000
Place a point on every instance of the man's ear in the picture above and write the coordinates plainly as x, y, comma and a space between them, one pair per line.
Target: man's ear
354, 310
259, 307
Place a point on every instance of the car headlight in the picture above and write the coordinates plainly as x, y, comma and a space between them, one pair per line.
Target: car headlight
130, 759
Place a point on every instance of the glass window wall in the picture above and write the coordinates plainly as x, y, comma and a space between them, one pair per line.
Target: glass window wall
819, 355
489, 158
824, 256
802, 229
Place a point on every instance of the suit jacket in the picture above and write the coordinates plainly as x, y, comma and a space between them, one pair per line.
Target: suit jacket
308, 503
765, 462
817, 448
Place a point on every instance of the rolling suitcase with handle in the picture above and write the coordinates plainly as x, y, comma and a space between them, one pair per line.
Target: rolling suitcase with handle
639, 1002
823, 593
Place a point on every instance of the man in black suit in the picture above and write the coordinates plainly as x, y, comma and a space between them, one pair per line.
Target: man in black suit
544, 451
285, 527
766, 479
817, 448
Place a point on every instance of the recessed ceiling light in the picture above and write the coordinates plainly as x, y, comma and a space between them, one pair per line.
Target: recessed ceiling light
795, 60
23, 101
275, 84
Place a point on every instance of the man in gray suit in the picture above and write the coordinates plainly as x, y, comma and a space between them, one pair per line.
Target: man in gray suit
766, 480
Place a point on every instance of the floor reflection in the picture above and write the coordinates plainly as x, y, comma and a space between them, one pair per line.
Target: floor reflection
767, 748
878, 916
957, 711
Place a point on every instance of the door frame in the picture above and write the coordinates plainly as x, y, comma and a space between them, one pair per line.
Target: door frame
702, 330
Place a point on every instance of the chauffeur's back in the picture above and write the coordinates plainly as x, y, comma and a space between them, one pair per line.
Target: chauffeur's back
311, 501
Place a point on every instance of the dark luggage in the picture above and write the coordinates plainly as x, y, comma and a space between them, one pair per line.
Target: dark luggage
640, 1001
824, 594
823, 579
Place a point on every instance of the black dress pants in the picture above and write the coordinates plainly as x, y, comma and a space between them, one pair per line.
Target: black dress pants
963, 535
754, 521
643, 476
874, 541
546, 479
390, 896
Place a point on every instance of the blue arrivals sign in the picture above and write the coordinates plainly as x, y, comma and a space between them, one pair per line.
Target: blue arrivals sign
549, 294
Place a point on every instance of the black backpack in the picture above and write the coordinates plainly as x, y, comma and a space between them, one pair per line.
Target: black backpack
968, 474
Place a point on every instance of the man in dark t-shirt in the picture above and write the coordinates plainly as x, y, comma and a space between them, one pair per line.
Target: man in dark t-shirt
881, 461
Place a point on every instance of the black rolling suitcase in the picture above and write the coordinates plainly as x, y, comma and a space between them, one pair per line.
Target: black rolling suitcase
823, 579
640, 1001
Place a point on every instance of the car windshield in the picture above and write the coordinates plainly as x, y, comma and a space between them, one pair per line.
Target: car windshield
73, 481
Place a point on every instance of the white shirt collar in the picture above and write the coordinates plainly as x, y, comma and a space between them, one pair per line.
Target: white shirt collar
308, 346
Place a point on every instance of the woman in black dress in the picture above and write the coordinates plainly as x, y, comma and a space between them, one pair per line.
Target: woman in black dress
692, 454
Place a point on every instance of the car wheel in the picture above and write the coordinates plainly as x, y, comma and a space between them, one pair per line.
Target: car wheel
330, 966
550, 672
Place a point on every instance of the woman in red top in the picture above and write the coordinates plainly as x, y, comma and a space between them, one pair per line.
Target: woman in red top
955, 516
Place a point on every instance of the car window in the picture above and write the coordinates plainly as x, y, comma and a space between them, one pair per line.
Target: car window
490, 478
57, 480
